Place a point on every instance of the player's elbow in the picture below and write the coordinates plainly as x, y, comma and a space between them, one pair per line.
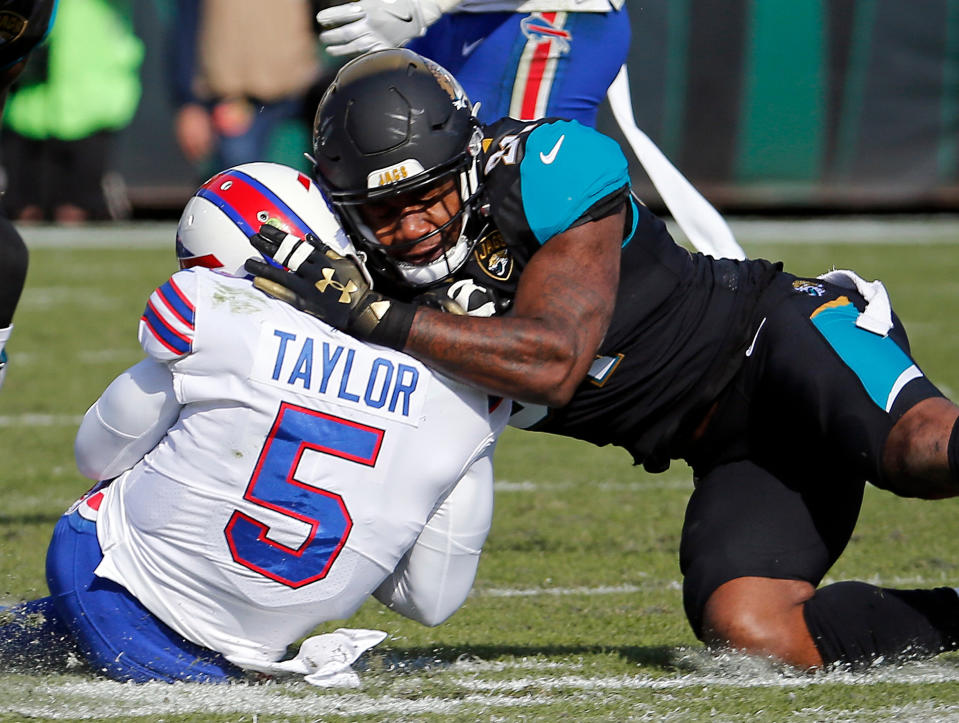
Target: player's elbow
434, 617
562, 392
88, 447
555, 381
426, 610
87, 466
559, 355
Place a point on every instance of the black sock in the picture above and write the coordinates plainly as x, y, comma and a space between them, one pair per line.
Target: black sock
858, 624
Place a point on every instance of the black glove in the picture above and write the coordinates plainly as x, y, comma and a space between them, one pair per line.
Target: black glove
329, 286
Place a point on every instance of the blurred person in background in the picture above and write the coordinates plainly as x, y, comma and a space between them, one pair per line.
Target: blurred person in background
520, 58
240, 71
65, 112
23, 25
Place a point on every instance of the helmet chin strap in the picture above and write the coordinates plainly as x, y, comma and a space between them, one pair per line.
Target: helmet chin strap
438, 269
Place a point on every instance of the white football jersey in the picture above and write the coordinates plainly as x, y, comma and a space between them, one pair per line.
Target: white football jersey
529, 6
302, 467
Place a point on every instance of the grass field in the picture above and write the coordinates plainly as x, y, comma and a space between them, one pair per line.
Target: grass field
576, 611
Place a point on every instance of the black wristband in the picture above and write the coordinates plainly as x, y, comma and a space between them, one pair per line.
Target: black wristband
385, 322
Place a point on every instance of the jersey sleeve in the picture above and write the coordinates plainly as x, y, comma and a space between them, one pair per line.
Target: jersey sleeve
167, 327
434, 577
567, 169
127, 421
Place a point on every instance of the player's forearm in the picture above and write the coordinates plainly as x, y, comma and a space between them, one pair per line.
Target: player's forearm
563, 307
436, 574
519, 358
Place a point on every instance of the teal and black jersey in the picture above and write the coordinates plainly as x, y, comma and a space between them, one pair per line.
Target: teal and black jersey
542, 177
681, 320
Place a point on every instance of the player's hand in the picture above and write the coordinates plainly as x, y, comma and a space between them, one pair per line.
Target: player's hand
347, 31
464, 297
329, 286
358, 27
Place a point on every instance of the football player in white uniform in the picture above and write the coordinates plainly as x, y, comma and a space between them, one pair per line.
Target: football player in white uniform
263, 472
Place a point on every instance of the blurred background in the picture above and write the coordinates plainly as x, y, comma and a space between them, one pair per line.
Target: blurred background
768, 106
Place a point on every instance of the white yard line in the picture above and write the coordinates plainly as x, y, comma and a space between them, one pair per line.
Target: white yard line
144, 235
896, 230
40, 420
105, 699
118, 357
655, 483
728, 670
566, 591
934, 229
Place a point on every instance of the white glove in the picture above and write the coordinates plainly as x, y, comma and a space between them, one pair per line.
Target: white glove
365, 25
325, 660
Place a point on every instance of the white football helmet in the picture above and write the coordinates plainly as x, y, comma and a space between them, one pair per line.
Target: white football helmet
217, 222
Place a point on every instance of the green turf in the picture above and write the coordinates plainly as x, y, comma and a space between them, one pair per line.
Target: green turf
576, 612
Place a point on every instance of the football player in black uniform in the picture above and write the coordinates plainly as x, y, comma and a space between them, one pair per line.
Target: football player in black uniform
617, 335
23, 25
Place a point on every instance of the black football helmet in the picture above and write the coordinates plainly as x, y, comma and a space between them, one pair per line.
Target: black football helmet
392, 122
23, 26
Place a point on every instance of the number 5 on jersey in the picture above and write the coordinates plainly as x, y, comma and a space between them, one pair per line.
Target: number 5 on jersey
273, 486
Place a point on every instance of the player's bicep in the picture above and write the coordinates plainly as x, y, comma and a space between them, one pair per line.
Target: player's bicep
571, 283
127, 421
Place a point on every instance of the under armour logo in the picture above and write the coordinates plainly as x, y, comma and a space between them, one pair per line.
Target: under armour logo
346, 291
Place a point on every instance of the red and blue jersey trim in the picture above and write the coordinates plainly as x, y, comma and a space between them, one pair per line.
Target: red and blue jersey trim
170, 318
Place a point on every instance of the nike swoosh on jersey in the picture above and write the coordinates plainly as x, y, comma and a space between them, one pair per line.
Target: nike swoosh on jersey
548, 158
468, 48
408, 18
749, 351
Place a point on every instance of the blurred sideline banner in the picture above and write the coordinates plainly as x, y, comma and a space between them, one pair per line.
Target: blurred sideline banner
762, 104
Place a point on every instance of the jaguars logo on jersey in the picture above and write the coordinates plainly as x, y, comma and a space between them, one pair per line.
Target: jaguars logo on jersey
493, 256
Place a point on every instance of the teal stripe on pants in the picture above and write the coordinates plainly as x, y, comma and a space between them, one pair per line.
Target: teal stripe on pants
876, 360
